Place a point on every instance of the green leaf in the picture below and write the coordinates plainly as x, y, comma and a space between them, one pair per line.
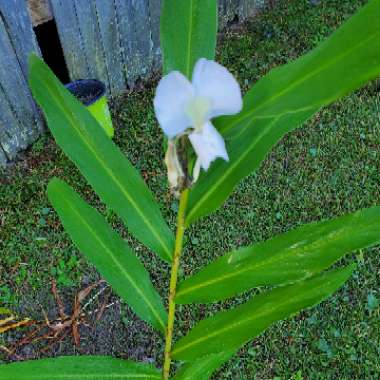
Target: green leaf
105, 167
78, 368
203, 368
286, 258
109, 253
231, 329
286, 98
188, 32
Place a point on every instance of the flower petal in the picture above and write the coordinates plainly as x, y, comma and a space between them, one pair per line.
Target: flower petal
173, 93
196, 170
208, 145
215, 82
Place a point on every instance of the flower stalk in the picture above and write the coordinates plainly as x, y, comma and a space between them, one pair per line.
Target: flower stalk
173, 281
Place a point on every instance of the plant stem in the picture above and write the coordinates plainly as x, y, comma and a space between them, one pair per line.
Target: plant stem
173, 281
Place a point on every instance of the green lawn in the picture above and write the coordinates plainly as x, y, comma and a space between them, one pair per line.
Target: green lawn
327, 168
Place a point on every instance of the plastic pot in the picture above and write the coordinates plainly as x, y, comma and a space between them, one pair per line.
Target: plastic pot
91, 93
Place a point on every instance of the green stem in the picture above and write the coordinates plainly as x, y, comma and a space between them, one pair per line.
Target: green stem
173, 281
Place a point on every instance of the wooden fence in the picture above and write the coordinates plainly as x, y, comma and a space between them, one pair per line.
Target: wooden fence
116, 41
20, 122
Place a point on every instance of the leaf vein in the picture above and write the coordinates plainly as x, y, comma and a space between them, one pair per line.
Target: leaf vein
116, 261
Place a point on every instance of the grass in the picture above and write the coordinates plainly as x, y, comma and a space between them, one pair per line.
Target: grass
327, 168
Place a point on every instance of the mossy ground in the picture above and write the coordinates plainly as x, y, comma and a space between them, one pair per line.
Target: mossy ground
328, 167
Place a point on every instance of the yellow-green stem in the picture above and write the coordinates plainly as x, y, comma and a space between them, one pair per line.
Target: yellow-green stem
173, 281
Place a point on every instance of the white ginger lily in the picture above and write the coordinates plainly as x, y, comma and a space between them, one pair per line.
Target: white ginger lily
180, 105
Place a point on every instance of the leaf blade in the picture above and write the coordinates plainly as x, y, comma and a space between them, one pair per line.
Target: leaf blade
203, 368
188, 26
109, 253
284, 99
231, 329
300, 253
215, 186
105, 167
78, 368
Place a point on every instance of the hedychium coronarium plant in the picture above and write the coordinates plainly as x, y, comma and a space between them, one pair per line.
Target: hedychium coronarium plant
215, 138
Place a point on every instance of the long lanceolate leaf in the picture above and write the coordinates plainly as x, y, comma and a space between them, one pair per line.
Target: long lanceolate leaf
203, 368
286, 258
105, 167
108, 252
231, 329
188, 32
78, 368
287, 97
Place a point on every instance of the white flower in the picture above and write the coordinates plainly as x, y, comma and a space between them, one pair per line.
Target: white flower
181, 105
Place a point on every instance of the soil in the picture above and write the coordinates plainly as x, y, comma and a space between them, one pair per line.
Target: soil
118, 332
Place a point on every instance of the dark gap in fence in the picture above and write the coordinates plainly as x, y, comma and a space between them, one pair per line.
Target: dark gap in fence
51, 49
234, 21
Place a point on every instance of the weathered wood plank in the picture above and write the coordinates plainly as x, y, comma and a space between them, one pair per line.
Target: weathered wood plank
143, 34
126, 36
135, 35
15, 17
223, 12
16, 98
109, 32
154, 17
92, 46
65, 14
254, 6
20, 30
229, 9
233, 9
242, 9
12, 138
3, 158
